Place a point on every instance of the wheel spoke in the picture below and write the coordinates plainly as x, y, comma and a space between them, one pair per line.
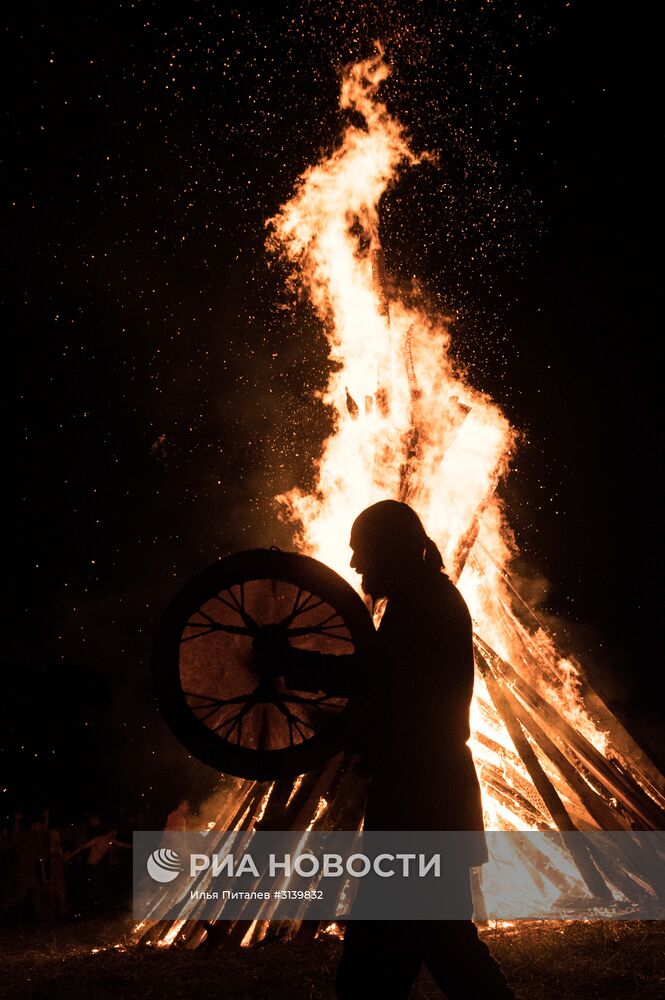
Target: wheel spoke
330, 624
214, 626
309, 604
219, 702
208, 714
235, 721
330, 618
211, 706
294, 721
318, 703
329, 630
298, 723
238, 606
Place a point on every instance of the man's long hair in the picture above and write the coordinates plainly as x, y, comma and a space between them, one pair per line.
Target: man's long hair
391, 522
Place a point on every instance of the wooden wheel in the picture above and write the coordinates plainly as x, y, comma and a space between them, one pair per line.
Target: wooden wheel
224, 702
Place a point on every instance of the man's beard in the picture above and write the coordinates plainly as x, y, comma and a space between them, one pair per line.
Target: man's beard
371, 587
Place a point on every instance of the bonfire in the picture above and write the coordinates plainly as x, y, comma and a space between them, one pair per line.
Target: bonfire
409, 425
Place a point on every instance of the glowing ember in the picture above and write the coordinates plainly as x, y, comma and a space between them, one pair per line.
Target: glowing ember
331, 930
247, 939
296, 785
320, 809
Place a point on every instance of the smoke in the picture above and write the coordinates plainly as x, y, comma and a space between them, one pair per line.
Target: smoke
585, 647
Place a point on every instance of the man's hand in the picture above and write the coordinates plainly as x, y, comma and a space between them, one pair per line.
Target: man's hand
272, 651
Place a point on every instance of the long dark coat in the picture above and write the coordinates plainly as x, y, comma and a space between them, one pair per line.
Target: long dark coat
410, 713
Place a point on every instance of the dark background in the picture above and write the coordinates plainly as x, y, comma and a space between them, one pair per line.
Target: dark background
160, 394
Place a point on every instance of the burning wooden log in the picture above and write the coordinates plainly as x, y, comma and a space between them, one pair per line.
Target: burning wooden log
638, 804
649, 775
550, 796
636, 859
595, 806
513, 799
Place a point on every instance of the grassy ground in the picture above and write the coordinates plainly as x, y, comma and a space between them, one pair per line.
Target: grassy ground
545, 961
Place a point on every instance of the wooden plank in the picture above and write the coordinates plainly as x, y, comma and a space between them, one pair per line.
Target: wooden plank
590, 874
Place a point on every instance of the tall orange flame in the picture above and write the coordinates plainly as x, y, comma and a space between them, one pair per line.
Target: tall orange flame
407, 423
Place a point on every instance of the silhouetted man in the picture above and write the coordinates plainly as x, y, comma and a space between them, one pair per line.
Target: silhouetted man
411, 713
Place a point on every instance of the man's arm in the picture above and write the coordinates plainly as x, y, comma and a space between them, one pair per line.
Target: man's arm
307, 670
304, 669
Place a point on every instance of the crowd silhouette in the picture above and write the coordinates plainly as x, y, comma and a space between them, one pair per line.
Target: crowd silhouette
75, 868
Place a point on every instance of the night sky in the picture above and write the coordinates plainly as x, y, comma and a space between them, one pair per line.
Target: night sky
160, 379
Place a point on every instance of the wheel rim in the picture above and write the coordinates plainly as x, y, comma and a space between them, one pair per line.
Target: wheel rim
218, 701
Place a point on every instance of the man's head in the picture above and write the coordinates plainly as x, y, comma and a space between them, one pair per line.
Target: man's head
183, 806
389, 545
